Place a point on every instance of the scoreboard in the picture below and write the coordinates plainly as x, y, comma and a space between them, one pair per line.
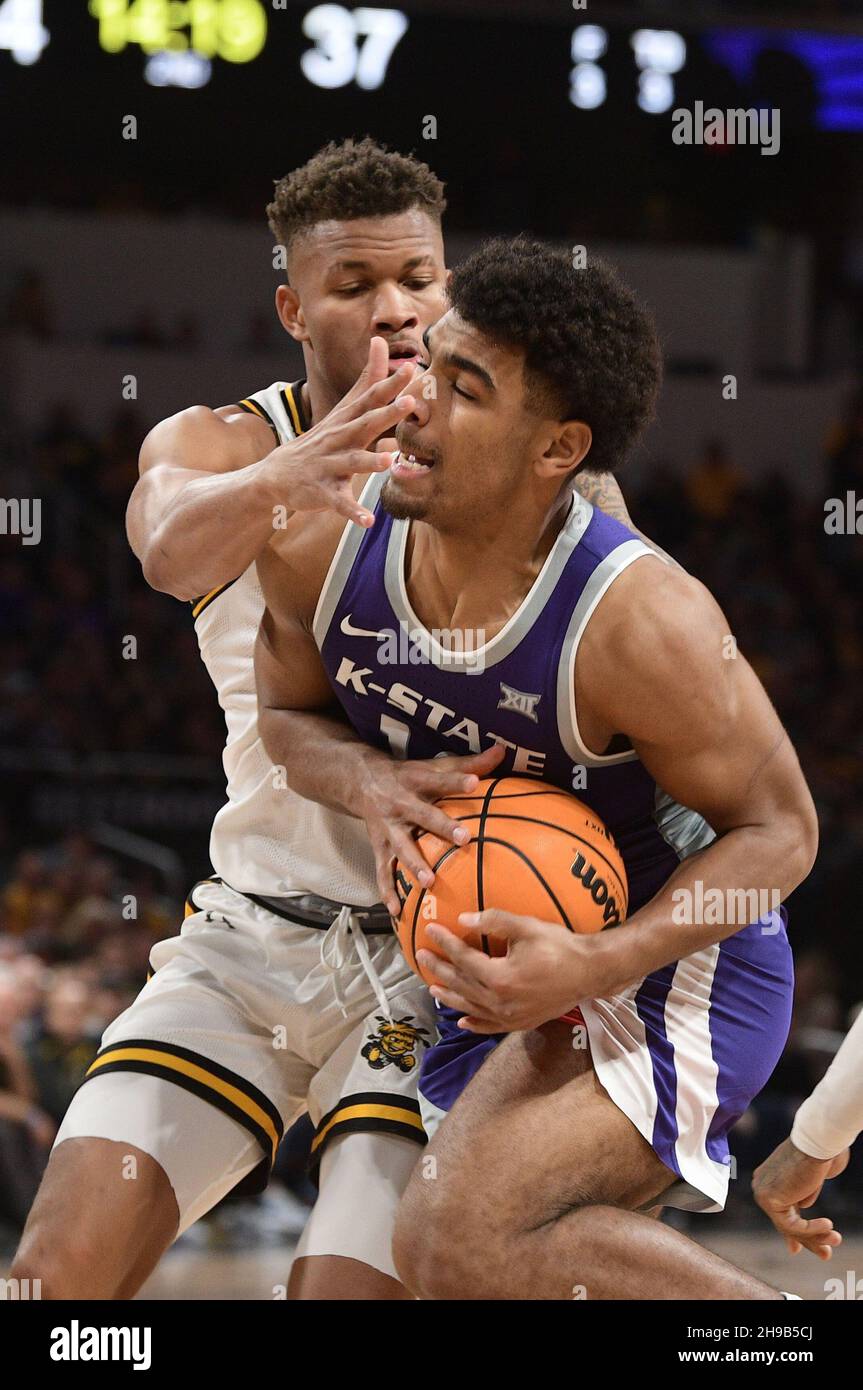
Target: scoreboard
183, 43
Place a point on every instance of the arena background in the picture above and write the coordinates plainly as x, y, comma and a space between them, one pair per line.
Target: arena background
137, 278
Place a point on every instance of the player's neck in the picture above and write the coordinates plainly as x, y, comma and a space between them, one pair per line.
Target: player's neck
318, 398
483, 558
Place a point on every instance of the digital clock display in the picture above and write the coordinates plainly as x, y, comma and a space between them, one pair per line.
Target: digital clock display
233, 30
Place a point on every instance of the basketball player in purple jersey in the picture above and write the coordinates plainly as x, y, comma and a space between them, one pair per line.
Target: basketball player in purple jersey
595, 654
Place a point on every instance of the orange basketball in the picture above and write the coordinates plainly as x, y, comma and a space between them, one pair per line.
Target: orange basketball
534, 850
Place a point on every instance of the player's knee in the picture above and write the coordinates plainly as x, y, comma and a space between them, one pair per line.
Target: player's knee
407, 1247
86, 1234
55, 1263
435, 1250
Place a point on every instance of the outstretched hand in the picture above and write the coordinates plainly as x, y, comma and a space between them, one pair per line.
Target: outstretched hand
790, 1180
313, 472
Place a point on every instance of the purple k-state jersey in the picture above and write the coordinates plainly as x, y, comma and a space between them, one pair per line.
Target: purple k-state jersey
405, 690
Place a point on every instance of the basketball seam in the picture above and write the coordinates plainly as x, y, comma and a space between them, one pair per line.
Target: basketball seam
434, 868
506, 844
480, 841
531, 820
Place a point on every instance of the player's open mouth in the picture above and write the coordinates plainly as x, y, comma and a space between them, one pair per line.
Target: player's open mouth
405, 352
410, 465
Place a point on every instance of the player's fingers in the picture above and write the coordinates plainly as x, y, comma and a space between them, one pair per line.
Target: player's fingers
811, 1198
342, 464
376, 369
343, 503
815, 1229
410, 856
367, 427
495, 922
492, 1027
425, 816
452, 998
370, 394
385, 872
820, 1246
443, 972
434, 780
475, 764
474, 970
470, 989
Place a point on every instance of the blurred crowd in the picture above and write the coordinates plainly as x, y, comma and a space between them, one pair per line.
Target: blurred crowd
77, 923
75, 935
70, 680
29, 311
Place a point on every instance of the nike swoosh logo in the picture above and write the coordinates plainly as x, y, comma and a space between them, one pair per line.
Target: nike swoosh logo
349, 630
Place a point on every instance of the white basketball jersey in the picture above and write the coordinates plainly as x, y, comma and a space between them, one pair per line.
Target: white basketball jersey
266, 839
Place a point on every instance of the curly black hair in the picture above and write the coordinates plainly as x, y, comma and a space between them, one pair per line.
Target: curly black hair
591, 352
353, 178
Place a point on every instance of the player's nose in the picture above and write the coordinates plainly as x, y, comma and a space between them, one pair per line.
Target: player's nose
421, 412
392, 311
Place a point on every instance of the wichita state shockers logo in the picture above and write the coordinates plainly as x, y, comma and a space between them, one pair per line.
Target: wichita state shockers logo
394, 1044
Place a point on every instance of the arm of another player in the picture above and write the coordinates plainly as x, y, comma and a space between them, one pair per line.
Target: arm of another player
657, 663
824, 1129
212, 485
304, 731
603, 490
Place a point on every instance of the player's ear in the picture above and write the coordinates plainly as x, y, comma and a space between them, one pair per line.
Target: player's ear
565, 450
290, 313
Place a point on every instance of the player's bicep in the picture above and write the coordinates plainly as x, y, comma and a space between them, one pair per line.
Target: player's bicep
694, 710
722, 750
193, 444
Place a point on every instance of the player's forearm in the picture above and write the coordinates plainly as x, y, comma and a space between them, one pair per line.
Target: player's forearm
209, 533
832, 1117
322, 758
743, 875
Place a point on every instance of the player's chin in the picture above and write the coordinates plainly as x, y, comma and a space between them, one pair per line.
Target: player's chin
402, 503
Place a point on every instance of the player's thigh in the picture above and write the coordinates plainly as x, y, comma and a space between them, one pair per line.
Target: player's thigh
93, 1232
533, 1135
346, 1248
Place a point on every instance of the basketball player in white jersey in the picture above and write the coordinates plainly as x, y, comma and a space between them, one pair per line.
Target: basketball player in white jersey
286, 989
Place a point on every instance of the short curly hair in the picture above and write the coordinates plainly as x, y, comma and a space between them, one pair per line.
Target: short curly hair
353, 178
591, 352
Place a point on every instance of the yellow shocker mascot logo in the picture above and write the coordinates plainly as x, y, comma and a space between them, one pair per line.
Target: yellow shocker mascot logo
394, 1044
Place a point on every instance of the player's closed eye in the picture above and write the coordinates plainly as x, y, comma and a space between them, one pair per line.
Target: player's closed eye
459, 392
